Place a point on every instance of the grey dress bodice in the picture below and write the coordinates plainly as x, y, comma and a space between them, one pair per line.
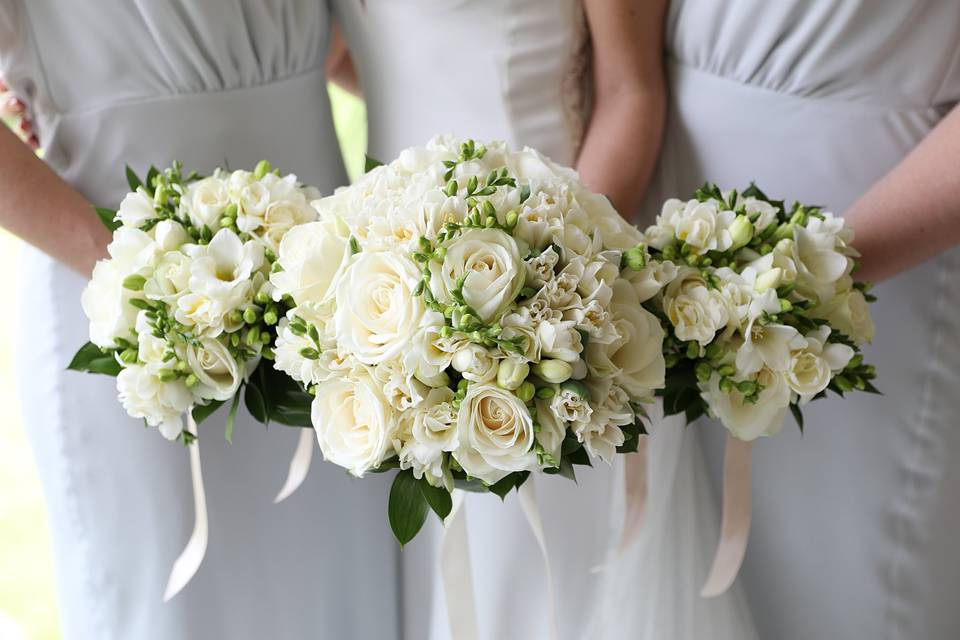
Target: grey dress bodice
209, 83
855, 521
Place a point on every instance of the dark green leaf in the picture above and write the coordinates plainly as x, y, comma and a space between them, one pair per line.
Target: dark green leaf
91, 359
569, 445
275, 397
228, 428
151, 174
204, 411
580, 456
524, 193
438, 498
369, 164
255, 403
797, 415
407, 509
565, 469
387, 465
108, 217
132, 180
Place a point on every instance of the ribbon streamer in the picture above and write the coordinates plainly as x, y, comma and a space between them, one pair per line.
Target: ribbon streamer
527, 494
457, 573
192, 556
299, 465
635, 494
735, 527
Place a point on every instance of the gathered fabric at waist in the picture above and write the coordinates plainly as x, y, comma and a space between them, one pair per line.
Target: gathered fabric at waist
287, 122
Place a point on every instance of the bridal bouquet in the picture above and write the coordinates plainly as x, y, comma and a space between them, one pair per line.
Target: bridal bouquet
759, 307
468, 314
182, 312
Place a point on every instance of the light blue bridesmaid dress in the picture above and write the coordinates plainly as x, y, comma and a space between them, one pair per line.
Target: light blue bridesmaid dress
212, 82
856, 523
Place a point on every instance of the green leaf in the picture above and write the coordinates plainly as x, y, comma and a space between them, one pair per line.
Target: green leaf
565, 469
407, 509
272, 396
132, 180
92, 359
151, 175
507, 483
524, 193
437, 497
580, 456
108, 217
255, 403
228, 428
369, 163
204, 411
797, 415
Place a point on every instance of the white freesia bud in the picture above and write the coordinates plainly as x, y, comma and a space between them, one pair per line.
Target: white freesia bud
488, 261
553, 371
170, 235
496, 434
741, 232
512, 373
476, 363
768, 280
353, 422
218, 372
136, 209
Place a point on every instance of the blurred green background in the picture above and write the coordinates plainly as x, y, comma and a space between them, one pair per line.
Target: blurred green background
28, 608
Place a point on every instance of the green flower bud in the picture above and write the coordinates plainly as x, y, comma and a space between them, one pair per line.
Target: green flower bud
265, 337
555, 371
785, 306
134, 282
250, 315
440, 253
270, 317
526, 391
128, 356
468, 320
741, 232
747, 387
191, 380
669, 252
577, 388
714, 350
253, 336
785, 230
726, 385
799, 218
446, 331
226, 222
167, 375
512, 373
636, 257
451, 189
693, 350
671, 360
843, 383
488, 209
263, 168
726, 370
545, 393
235, 339
511, 219
489, 222
235, 317
472, 184
309, 354
704, 371
230, 211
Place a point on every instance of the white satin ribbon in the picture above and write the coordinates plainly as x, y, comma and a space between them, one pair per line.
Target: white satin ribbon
635, 495
527, 494
299, 465
735, 526
192, 556
457, 573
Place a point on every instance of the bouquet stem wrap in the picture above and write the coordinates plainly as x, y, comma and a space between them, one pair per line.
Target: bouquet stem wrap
735, 526
299, 465
192, 556
635, 494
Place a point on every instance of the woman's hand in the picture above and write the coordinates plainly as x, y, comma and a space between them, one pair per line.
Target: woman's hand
629, 100
42, 209
12, 108
913, 213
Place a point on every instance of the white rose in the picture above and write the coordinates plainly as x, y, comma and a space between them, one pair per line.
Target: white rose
635, 358
170, 278
848, 313
704, 227
280, 217
377, 314
559, 339
489, 261
205, 201
476, 363
496, 433
748, 421
161, 404
353, 422
106, 303
695, 311
313, 256
812, 368
218, 372
136, 209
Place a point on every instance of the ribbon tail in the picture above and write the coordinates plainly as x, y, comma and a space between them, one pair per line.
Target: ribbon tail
735, 526
635, 491
527, 494
192, 556
457, 573
299, 465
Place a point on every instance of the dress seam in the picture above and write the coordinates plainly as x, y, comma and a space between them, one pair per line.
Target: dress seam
820, 99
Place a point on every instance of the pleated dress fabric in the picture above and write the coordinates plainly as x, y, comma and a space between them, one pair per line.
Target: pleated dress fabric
855, 522
224, 82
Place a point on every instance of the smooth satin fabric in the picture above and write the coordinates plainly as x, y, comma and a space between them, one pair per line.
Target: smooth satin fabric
855, 523
208, 83
513, 70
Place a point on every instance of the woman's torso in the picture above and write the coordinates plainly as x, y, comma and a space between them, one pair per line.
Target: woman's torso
816, 101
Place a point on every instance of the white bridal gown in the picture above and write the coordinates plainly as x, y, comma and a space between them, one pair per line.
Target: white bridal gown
856, 523
513, 70
114, 82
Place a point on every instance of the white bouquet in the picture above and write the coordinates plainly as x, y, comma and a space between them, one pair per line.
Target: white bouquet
182, 312
468, 314
760, 308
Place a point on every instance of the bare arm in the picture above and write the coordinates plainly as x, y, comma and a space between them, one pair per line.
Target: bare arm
629, 101
913, 213
339, 64
42, 209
